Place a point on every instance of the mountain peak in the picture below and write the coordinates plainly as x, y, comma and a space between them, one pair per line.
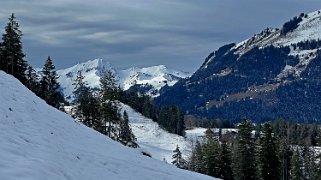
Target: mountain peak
152, 78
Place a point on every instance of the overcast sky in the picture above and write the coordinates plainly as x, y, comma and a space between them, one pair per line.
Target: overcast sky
176, 33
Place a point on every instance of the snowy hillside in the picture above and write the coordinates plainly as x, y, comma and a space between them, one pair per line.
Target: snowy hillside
39, 142
156, 76
308, 29
158, 142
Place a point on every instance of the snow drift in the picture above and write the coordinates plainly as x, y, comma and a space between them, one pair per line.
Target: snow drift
39, 142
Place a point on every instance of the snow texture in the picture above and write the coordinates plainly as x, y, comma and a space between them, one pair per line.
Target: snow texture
38, 142
155, 140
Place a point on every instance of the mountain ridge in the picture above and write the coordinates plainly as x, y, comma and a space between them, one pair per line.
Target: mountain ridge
152, 78
262, 78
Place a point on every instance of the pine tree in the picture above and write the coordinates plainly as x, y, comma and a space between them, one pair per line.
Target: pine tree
49, 85
80, 86
211, 159
178, 160
269, 161
88, 109
244, 159
310, 170
110, 106
126, 135
32, 82
296, 170
12, 56
195, 162
225, 162
285, 156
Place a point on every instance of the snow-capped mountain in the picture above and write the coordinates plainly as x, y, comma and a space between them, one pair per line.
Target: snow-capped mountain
274, 74
39, 142
151, 78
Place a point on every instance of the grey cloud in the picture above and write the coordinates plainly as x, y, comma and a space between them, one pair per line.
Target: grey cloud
177, 33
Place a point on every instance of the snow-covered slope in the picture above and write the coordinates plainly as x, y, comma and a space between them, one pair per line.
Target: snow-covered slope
308, 29
154, 76
153, 139
40, 142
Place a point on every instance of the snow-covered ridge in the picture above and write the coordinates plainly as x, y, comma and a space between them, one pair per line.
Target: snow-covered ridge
156, 76
308, 29
39, 142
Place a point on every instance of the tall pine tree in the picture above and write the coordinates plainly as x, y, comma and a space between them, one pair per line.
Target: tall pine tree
12, 56
110, 105
225, 162
32, 80
244, 159
49, 85
126, 135
269, 161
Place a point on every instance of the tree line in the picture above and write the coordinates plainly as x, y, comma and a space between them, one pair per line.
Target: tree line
12, 61
253, 154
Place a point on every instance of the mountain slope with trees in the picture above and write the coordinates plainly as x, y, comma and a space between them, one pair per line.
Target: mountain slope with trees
272, 75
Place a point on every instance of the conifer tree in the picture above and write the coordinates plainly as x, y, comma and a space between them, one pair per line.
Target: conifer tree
49, 85
126, 135
12, 56
211, 159
110, 106
80, 86
296, 171
88, 109
244, 166
310, 170
32, 78
285, 157
178, 160
225, 162
195, 162
269, 161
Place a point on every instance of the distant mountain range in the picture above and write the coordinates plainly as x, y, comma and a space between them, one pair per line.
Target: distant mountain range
148, 79
274, 74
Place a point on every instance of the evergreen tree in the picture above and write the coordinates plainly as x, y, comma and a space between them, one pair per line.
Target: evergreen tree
126, 135
110, 106
178, 160
310, 170
196, 160
32, 78
211, 159
11, 53
88, 109
296, 171
225, 162
109, 87
49, 85
80, 86
285, 156
244, 166
269, 161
